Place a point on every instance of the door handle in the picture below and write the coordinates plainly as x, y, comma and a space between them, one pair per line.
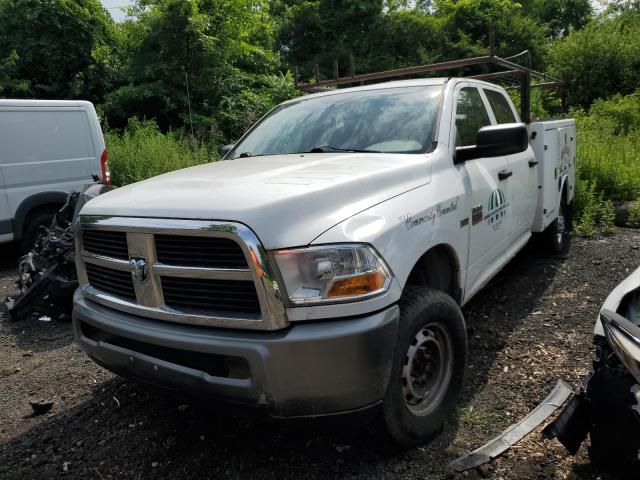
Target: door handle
504, 174
533, 163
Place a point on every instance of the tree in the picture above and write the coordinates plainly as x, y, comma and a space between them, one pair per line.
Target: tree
599, 60
468, 23
187, 59
62, 48
559, 16
322, 31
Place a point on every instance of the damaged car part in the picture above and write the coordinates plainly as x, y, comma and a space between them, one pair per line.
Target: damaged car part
608, 407
516, 432
47, 275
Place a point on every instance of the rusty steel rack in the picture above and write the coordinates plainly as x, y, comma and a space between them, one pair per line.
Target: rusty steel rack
519, 73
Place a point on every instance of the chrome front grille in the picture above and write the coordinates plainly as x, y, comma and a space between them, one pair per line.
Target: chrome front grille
200, 252
186, 271
111, 281
108, 244
238, 297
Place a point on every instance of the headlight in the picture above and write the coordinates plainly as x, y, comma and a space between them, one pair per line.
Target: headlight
332, 273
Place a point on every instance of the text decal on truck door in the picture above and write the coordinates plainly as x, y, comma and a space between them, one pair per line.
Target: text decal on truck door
497, 208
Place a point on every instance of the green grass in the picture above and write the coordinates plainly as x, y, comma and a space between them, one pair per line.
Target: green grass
142, 151
612, 162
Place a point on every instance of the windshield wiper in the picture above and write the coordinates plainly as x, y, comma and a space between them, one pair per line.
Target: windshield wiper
329, 148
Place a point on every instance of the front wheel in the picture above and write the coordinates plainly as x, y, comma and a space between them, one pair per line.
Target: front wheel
428, 366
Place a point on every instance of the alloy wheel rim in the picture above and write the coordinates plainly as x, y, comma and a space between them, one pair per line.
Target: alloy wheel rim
427, 369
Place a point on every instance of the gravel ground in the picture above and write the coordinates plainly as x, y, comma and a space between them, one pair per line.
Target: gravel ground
529, 327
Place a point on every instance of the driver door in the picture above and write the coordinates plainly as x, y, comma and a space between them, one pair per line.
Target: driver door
487, 190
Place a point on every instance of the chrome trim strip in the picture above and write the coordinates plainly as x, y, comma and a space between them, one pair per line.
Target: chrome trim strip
115, 263
197, 272
150, 301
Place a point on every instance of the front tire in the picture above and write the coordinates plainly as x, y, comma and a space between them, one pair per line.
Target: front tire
428, 366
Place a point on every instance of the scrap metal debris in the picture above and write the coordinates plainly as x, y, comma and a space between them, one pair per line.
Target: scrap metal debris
516, 432
47, 275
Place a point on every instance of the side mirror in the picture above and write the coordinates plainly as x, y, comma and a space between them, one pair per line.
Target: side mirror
496, 141
226, 149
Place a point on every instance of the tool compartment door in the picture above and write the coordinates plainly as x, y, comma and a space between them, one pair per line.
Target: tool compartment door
553, 144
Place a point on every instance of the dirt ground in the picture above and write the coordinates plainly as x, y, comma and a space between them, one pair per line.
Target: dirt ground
531, 326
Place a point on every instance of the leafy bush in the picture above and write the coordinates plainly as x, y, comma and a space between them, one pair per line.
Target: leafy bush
633, 220
597, 215
142, 151
608, 156
599, 60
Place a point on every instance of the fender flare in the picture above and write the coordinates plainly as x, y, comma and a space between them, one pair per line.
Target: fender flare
32, 202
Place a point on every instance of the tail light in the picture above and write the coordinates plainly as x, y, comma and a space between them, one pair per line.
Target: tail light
104, 160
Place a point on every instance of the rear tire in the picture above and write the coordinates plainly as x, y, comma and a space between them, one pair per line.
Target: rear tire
428, 367
557, 236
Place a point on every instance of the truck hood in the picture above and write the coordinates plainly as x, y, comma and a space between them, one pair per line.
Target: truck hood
288, 200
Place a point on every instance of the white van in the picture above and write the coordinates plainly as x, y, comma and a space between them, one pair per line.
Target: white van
47, 149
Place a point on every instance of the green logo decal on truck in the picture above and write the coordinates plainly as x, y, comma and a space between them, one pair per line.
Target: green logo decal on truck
496, 209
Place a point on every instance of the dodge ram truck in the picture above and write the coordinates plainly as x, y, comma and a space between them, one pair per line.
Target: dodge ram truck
321, 266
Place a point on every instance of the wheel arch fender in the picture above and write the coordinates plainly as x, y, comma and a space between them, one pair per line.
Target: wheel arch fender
32, 203
438, 268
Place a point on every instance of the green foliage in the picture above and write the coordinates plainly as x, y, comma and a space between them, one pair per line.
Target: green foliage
467, 24
56, 48
633, 219
599, 60
608, 161
142, 151
198, 64
559, 16
596, 215
619, 115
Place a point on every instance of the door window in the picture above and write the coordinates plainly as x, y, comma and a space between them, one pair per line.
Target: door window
471, 116
500, 106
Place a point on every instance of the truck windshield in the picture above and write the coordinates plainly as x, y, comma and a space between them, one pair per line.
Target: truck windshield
390, 120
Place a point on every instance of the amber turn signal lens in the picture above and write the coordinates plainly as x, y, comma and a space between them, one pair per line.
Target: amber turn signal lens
360, 285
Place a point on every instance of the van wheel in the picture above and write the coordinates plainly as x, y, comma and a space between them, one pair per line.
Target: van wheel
428, 366
558, 233
32, 230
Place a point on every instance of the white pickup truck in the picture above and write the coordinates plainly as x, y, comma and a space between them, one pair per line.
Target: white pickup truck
320, 268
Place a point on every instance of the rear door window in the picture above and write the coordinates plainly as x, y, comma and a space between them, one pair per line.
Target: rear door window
500, 106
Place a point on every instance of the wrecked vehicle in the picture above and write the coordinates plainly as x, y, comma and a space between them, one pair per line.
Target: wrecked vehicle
47, 274
608, 407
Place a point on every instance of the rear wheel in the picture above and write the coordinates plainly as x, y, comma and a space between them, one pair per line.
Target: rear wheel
558, 233
428, 366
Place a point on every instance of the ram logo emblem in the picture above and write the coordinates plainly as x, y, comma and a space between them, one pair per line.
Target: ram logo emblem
139, 270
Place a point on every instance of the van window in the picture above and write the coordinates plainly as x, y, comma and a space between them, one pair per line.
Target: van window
471, 116
500, 106
37, 135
